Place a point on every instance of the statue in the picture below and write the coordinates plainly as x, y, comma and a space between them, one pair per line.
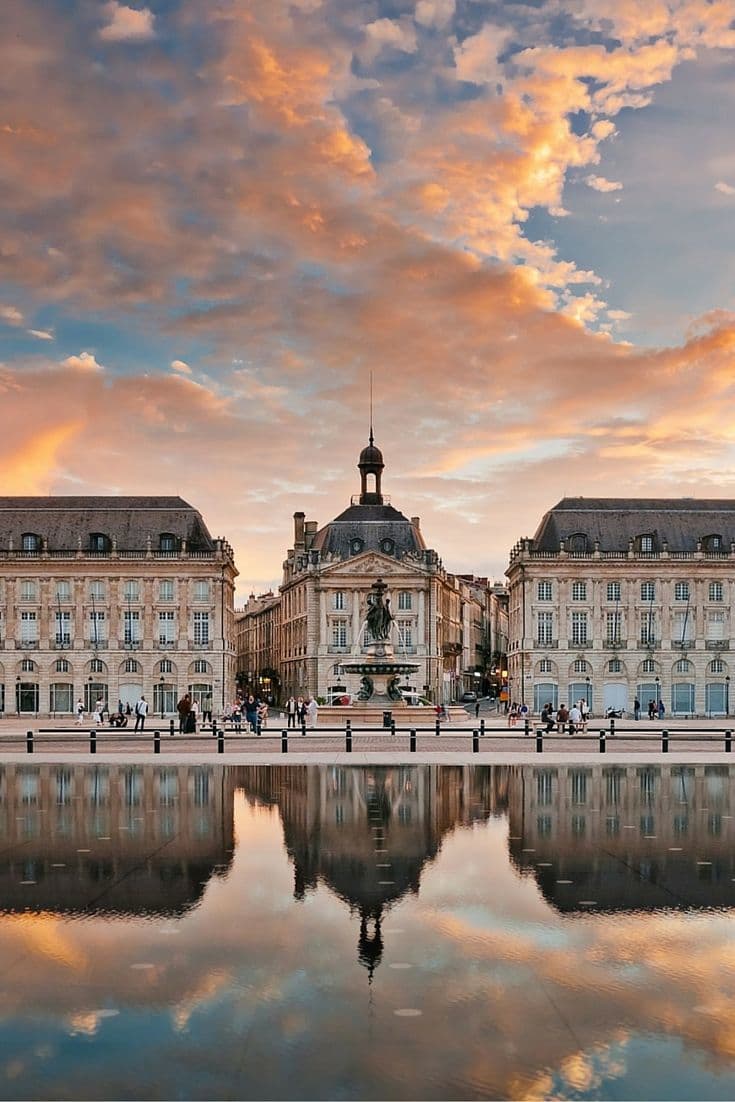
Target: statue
367, 688
393, 689
379, 617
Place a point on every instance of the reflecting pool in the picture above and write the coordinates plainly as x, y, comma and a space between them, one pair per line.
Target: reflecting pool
391, 932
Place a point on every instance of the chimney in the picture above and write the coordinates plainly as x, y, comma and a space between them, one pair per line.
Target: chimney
298, 530
416, 522
310, 532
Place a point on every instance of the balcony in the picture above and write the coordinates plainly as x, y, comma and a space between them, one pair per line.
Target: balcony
167, 644
61, 644
547, 644
201, 646
28, 644
615, 644
682, 644
97, 644
132, 644
717, 644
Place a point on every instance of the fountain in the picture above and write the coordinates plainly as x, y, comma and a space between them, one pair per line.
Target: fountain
380, 671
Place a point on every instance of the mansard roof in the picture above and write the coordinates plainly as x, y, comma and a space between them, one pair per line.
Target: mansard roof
678, 523
63, 521
377, 528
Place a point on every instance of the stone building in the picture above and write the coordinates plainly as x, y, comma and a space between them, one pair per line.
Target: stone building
326, 579
258, 627
112, 597
615, 599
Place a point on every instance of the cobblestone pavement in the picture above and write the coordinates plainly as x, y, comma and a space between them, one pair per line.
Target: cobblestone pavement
703, 738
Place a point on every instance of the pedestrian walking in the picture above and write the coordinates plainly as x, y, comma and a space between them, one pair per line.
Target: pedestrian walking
183, 708
207, 709
312, 711
575, 719
661, 709
251, 712
636, 709
141, 711
291, 711
80, 711
651, 709
301, 712
99, 708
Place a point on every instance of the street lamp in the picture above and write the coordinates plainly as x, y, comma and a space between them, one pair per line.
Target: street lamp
588, 696
17, 695
727, 695
160, 693
658, 696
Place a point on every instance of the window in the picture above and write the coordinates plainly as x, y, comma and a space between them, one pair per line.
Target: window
28, 627
96, 591
545, 627
579, 629
61, 697
99, 542
715, 591
544, 591
613, 591
649, 666
646, 543
580, 666
200, 665
404, 601
30, 541
96, 666
27, 591
681, 591
63, 629
613, 627
166, 665
387, 546
717, 666
201, 591
614, 665
97, 627
339, 633
166, 627
405, 634
27, 665
131, 621
131, 591
544, 665
578, 542
648, 628
339, 601
131, 666
201, 627
63, 591
62, 665
166, 591
167, 542
648, 591
579, 591
715, 626
682, 666
356, 545
713, 543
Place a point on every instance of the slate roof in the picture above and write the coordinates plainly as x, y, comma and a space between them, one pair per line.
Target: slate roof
372, 524
62, 521
679, 522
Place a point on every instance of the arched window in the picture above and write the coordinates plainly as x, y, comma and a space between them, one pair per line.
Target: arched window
201, 666
166, 665
97, 666
544, 665
682, 666
131, 666
717, 666
62, 665
614, 665
649, 666
713, 542
167, 541
577, 542
646, 543
30, 541
580, 666
27, 665
98, 541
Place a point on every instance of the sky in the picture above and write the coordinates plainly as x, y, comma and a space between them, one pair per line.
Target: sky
217, 220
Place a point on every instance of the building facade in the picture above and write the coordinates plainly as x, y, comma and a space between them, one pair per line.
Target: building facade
618, 599
115, 598
439, 618
258, 627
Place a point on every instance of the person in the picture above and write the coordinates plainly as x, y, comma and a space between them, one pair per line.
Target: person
312, 711
207, 709
291, 711
523, 713
661, 709
636, 709
128, 710
263, 714
120, 709
141, 711
80, 711
575, 719
562, 718
301, 712
547, 717
512, 715
477, 708
651, 709
191, 719
236, 715
251, 712
99, 708
183, 708
584, 709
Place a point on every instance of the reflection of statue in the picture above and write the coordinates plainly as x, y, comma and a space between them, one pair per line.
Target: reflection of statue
394, 691
367, 688
379, 617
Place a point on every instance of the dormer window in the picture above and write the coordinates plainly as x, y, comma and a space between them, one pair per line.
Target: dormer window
387, 546
356, 545
577, 542
30, 541
713, 542
98, 541
167, 542
645, 543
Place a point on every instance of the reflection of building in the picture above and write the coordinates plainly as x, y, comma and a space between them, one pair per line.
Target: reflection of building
114, 840
615, 599
634, 837
368, 832
112, 597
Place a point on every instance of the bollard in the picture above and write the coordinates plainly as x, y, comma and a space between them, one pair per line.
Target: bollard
412, 740
29, 742
664, 742
221, 740
475, 742
438, 727
171, 728
482, 728
728, 742
348, 737
156, 742
284, 741
602, 742
539, 740
526, 726
612, 726
392, 726
257, 726
303, 727
93, 742
214, 727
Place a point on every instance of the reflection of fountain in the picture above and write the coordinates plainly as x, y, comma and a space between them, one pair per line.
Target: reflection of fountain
379, 671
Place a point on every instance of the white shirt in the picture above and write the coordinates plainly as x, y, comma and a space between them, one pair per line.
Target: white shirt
142, 707
575, 716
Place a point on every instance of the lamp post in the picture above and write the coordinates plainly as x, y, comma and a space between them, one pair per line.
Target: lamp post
588, 696
658, 696
17, 695
160, 693
727, 696
478, 686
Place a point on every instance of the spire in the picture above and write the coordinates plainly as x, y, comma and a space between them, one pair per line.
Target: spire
371, 410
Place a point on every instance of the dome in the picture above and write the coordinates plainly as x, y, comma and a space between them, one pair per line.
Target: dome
371, 457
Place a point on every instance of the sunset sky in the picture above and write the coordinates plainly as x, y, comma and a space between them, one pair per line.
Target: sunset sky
219, 217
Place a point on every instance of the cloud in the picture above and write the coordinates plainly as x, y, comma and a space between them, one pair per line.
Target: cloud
127, 24
85, 361
41, 334
726, 189
388, 34
476, 57
434, 13
11, 315
599, 183
180, 365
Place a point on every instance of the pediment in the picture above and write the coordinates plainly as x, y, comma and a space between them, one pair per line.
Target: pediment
373, 565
